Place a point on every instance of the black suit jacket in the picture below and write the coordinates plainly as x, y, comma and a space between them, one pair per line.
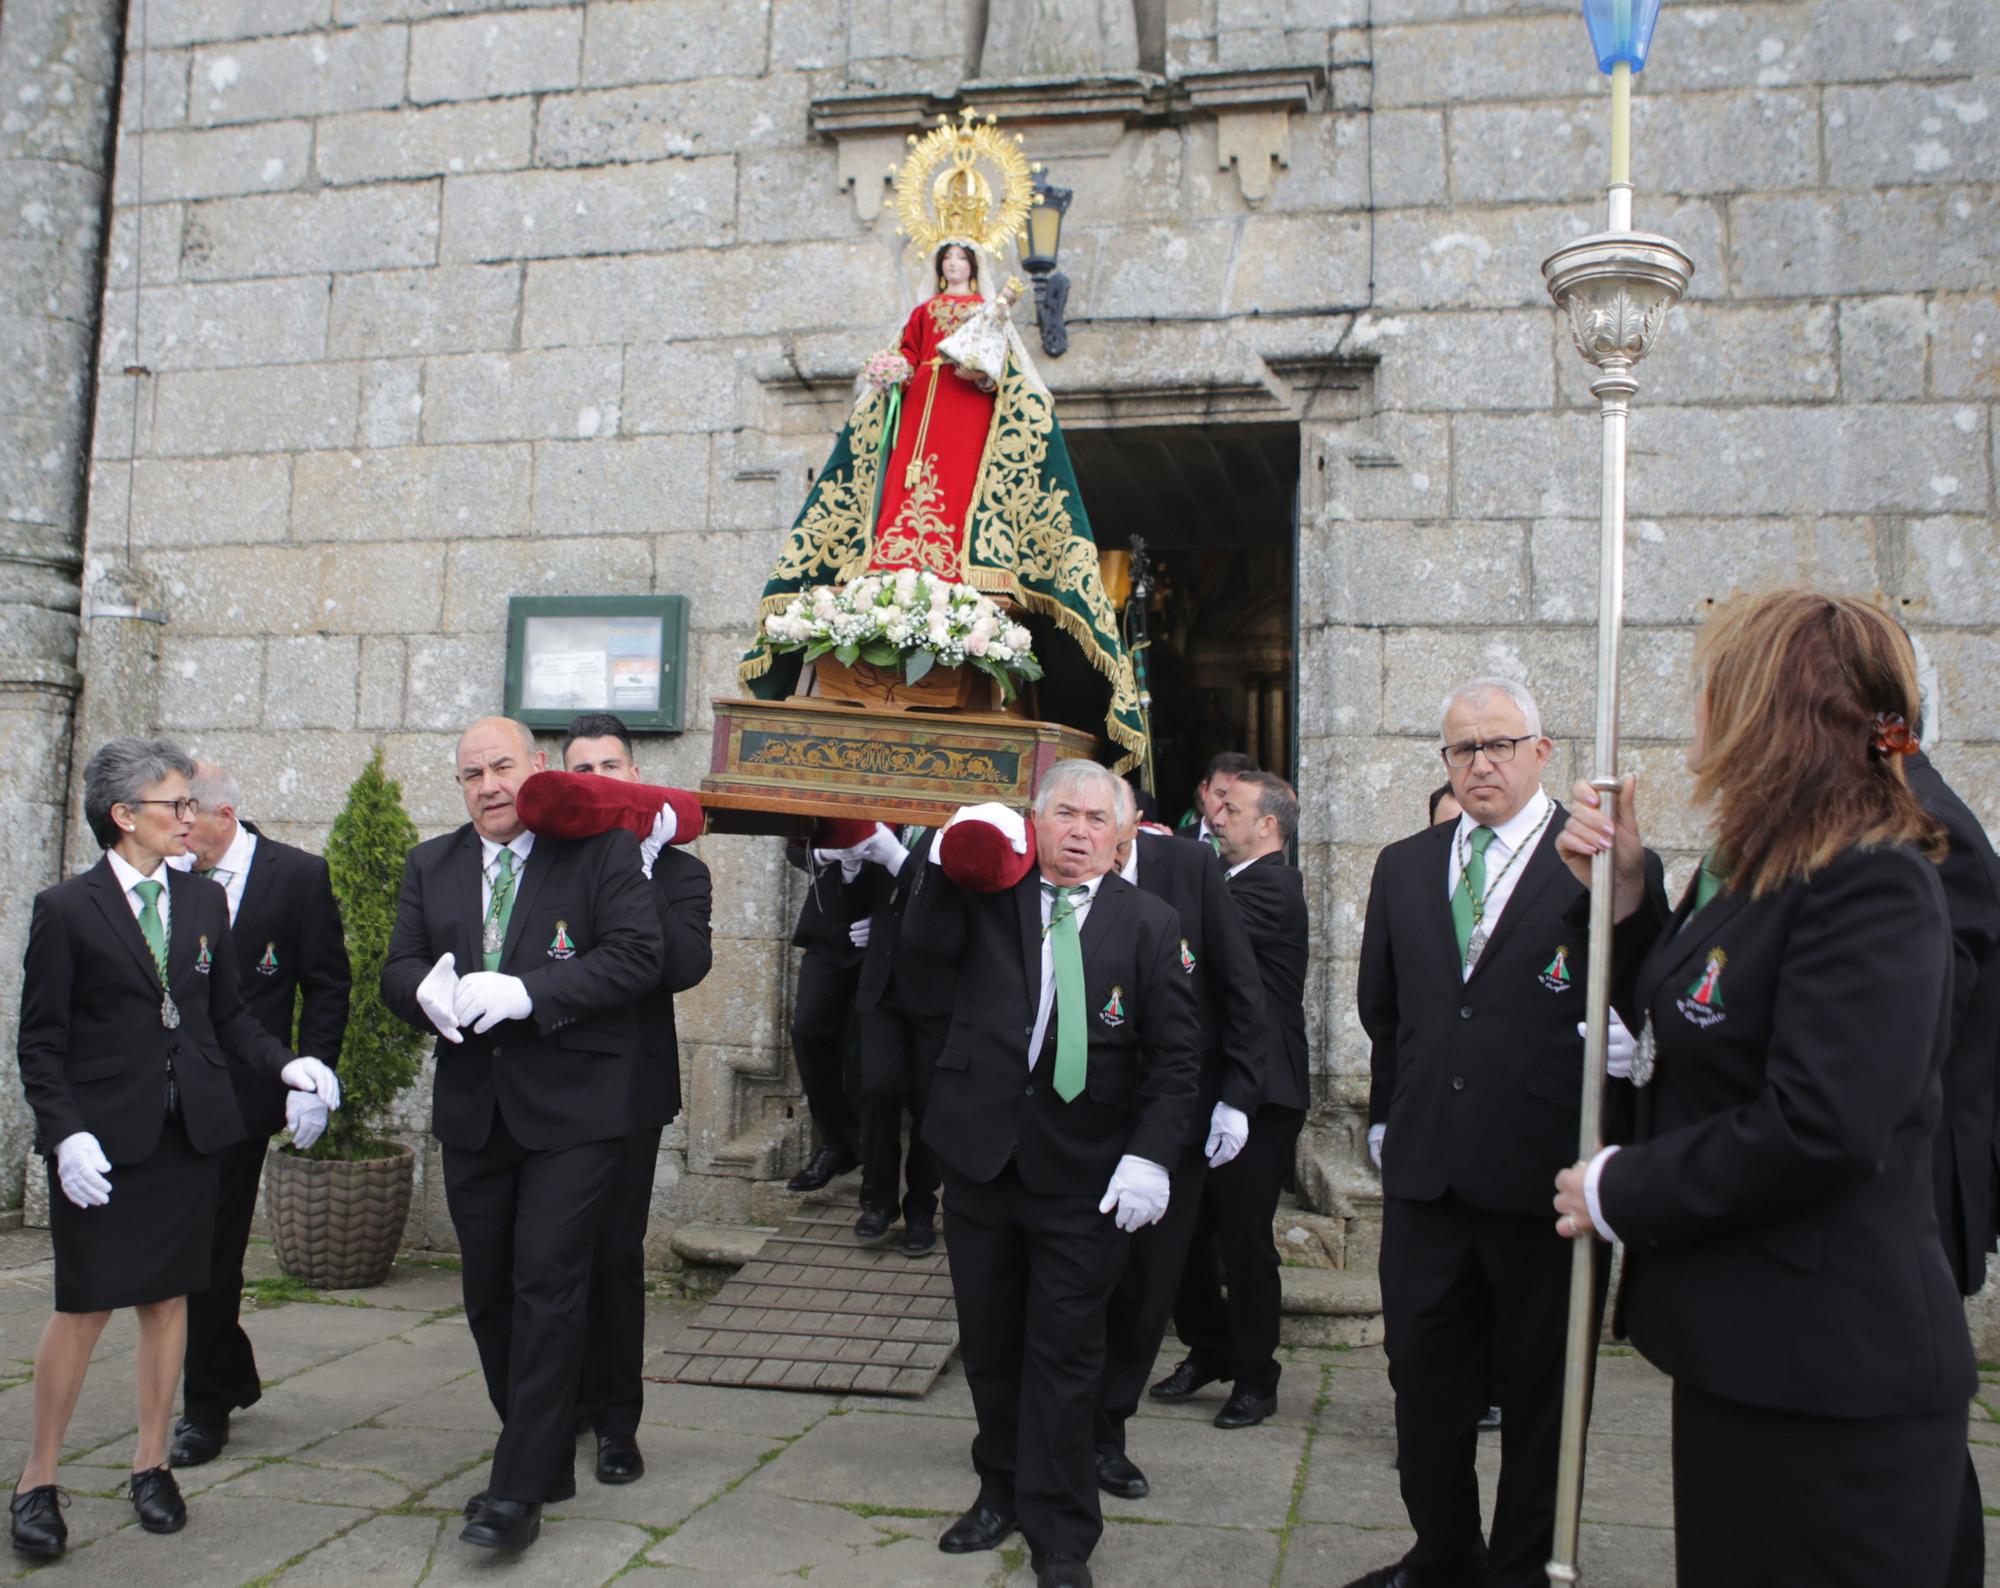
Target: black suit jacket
1781, 1242
904, 970
683, 894
1237, 1035
1479, 1080
1966, 1138
563, 1076
831, 906
289, 949
1271, 897
1144, 1062
93, 1053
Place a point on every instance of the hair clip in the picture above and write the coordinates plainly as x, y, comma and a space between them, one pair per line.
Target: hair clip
1892, 735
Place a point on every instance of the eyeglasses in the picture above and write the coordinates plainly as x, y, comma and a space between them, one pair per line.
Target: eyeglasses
1498, 751
185, 808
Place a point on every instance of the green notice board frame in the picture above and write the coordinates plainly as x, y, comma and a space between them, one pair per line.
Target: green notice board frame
622, 654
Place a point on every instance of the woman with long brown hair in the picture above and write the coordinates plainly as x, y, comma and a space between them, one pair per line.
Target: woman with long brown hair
1782, 1257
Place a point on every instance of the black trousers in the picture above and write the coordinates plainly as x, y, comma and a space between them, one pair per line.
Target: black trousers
1464, 1289
1031, 1276
1136, 1320
613, 1393
1968, 1549
1237, 1338
219, 1373
822, 1012
898, 1057
527, 1231
1783, 1500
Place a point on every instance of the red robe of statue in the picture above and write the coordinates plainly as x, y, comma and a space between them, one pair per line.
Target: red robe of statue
940, 440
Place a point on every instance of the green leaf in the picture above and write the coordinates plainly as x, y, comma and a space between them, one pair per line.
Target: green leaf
879, 653
847, 655
917, 664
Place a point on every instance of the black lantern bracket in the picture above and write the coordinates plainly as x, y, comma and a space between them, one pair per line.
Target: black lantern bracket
1045, 223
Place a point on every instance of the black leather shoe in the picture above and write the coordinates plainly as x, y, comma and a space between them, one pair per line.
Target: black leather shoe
826, 1165
1117, 1475
197, 1442
39, 1530
919, 1239
872, 1228
1245, 1408
504, 1524
982, 1527
618, 1459
1383, 1577
1183, 1382
1490, 1421
1062, 1571
157, 1499
565, 1489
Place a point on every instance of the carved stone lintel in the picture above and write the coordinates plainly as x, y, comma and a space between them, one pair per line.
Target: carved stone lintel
867, 166
1253, 141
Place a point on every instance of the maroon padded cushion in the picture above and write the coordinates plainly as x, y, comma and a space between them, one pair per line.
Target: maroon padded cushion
583, 804
977, 856
841, 832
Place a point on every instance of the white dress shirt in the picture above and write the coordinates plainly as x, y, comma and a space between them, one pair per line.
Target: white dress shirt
1048, 1002
1526, 827
233, 869
490, 866
130, 876
1245, 865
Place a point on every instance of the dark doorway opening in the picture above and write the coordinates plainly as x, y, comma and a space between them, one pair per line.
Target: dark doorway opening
1217, 508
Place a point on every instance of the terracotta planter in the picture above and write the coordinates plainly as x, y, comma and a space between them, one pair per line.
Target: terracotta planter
338, 1223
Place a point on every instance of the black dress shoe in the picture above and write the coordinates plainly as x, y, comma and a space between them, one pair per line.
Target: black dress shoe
565, 1489
982, 1527
1117, 1475
826, 1164
1245, 1408
504, 1524
1062, 1571
919, 1240
618, 1459
39, 1530
1490, 1421
157, 1499
1183, 1382
197, 1442
872, 1228
1383, 1577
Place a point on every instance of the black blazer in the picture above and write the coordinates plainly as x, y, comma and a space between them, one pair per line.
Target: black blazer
987, 1106
1237, 1035
903, 970
289, 948
1963, 1164
683, 894
563, 1076
1781, 1243
1271, 897
1479, 1080
831, 906
93, 1053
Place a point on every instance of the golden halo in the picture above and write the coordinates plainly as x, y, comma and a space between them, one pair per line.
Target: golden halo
943, 195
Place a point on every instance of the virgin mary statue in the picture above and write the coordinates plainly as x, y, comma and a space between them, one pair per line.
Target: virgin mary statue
951, 461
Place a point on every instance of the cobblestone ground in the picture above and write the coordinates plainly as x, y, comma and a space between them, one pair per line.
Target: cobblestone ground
374, 1428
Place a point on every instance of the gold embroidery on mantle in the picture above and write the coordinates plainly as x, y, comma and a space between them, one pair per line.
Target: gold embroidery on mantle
948, 314
919, 536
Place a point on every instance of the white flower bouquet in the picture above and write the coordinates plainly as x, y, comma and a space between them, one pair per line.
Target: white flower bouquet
885, 369
908, 620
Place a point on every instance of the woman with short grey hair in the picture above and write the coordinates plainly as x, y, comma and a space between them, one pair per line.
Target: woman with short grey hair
131, 1014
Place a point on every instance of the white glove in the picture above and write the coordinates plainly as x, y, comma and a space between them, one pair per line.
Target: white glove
1228, 1130
1619, 1047
1377, 1134
435, 994
859, 932
485, 998
305, 1118
309, 1075
83, 1170
850, 865
1003, 817
1138, 1190
884, 848
665, 825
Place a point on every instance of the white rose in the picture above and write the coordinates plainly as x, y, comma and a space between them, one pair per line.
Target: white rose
906, 586
937, 629
984, 627
1018, 638
977, 643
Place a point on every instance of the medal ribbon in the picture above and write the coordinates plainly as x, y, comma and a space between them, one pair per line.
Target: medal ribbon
499, 911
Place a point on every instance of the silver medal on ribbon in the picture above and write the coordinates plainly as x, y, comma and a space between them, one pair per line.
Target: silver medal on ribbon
1642, 1057
170, 1014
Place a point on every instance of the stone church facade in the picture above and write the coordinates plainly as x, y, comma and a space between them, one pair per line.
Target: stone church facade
368, 314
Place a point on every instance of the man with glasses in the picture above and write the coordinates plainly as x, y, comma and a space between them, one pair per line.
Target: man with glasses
1471, 987
532, 957
289, 949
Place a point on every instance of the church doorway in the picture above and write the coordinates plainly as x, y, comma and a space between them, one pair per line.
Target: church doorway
1216, 506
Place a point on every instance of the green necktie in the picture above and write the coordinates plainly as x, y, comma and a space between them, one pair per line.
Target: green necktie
150, 923
1066, 943
1709, 880
1471, 887
499, 911
206, 871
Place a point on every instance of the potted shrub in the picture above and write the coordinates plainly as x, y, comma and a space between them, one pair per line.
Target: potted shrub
338, 1209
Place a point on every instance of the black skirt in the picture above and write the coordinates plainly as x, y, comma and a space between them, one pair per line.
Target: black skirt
150, 1242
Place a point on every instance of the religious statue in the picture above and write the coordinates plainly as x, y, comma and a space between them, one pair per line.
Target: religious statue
946, 526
